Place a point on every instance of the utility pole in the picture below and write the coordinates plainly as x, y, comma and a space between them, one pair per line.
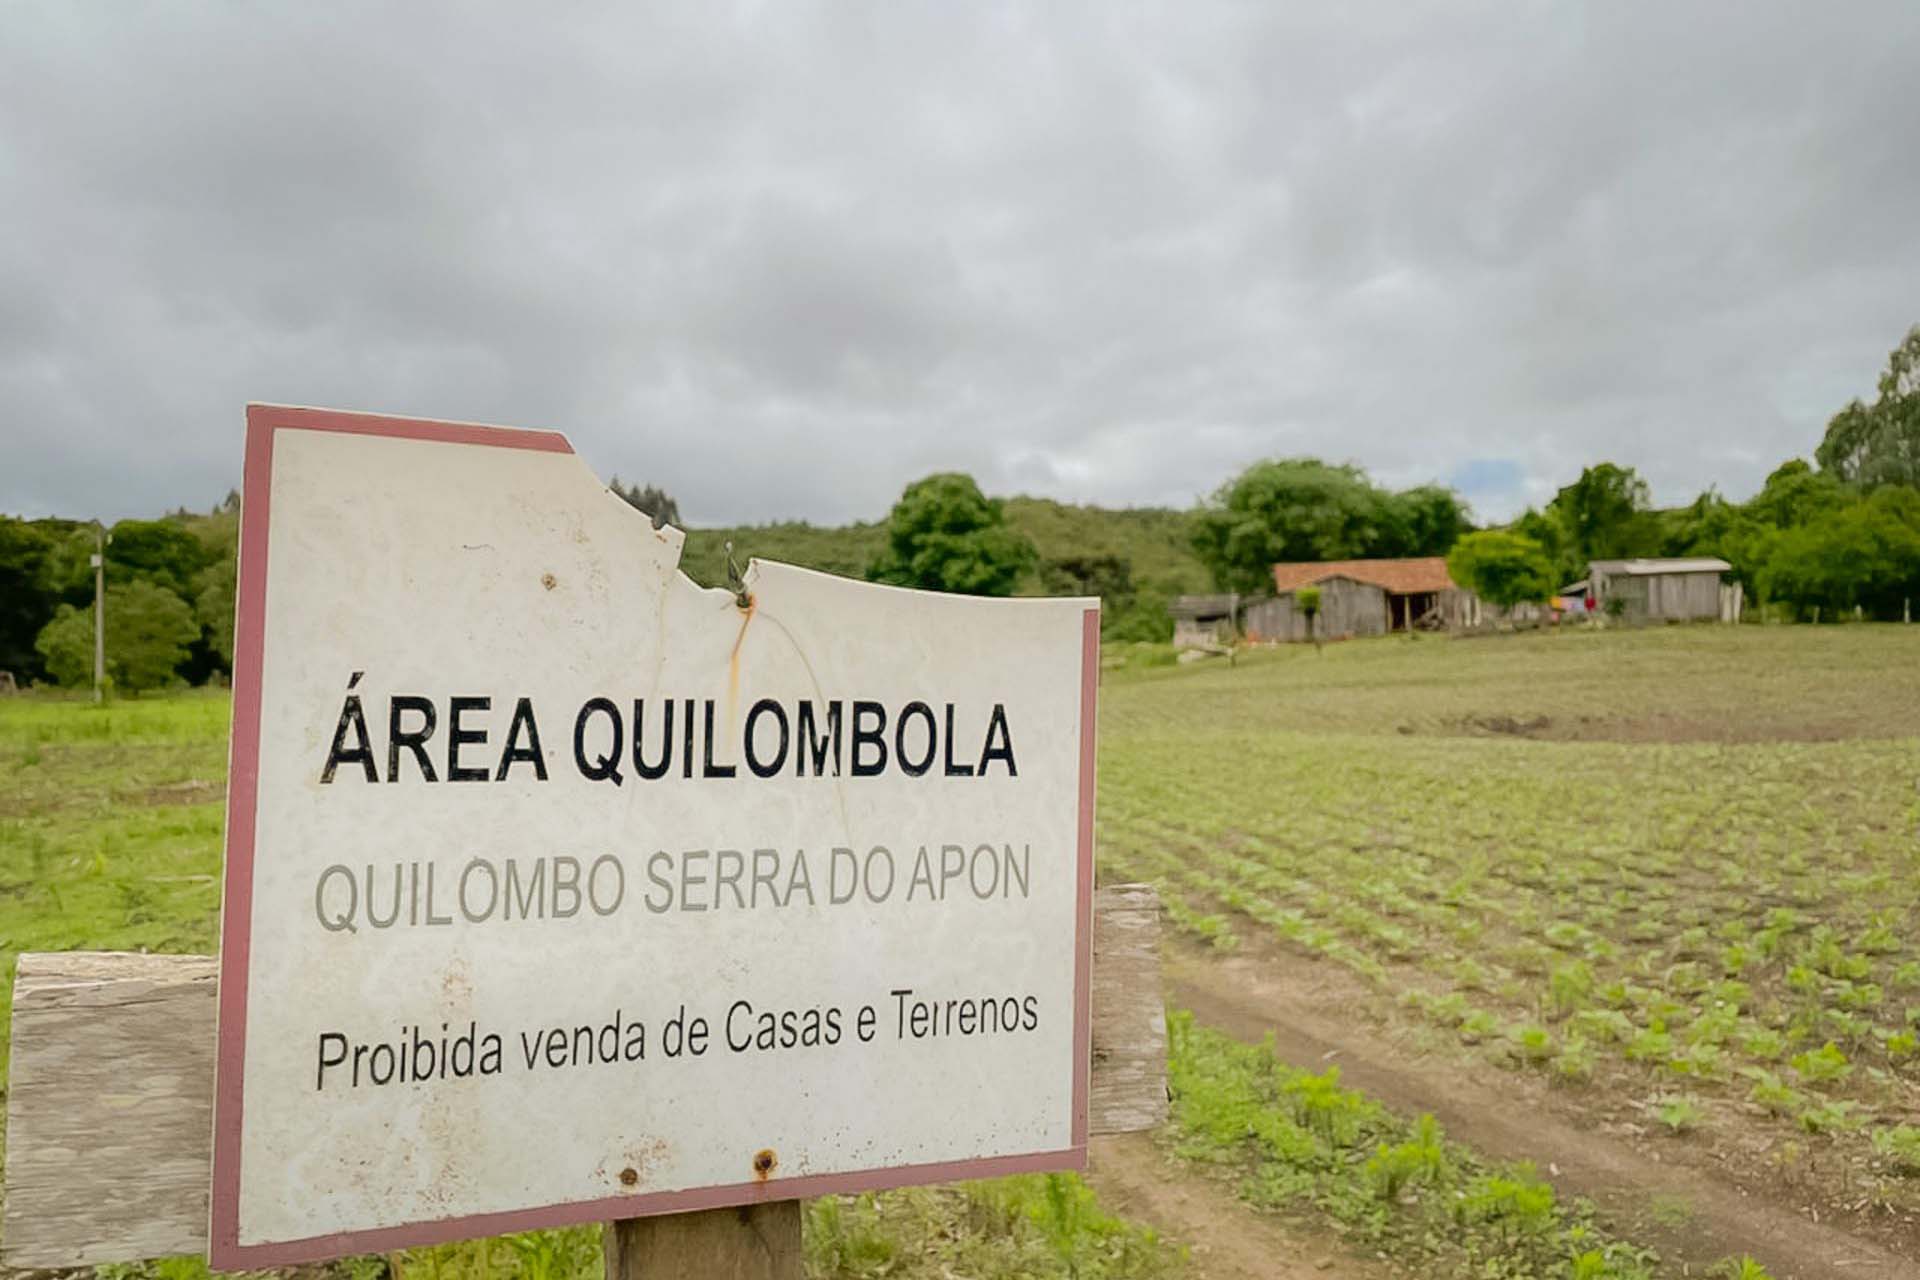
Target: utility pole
99, 610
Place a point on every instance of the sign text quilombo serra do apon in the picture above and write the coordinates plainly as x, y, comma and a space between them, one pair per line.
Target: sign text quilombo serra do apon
559, 889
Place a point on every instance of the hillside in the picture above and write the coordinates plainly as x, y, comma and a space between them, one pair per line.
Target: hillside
1074, 544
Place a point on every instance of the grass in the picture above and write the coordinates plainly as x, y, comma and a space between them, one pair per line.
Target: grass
1675, 863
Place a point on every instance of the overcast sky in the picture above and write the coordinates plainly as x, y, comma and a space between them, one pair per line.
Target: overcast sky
782, 259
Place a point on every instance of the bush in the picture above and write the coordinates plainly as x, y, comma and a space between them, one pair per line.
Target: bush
150, 631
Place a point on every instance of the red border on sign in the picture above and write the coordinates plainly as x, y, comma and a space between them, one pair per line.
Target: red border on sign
225, 1252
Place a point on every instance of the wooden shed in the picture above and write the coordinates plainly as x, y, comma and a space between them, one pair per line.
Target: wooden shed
1348, 608
1662, 590
1205, 622
1362, 598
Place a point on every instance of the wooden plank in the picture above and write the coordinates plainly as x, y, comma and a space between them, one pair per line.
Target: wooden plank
750, 1242
1129, 1085
109, 1106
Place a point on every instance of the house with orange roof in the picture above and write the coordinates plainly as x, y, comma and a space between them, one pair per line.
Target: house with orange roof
1362, 598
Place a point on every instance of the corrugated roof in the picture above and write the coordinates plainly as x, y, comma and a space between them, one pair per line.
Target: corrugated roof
1678, 564
1397, 577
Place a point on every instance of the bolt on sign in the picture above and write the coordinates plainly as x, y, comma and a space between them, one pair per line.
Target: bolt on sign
560, 889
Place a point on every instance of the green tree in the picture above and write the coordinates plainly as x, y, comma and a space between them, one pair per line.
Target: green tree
163, 552
1097, 574
1128, 611
1503, 568
213, 592
26, 599
1796, 494
1879, 444
945, 535
1549, 532
654, 503
1604, 514
1712, 526
68, 573
150, 631
1867, 555
1290, 509
1423, 521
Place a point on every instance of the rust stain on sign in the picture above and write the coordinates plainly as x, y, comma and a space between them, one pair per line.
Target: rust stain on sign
638, 1164
764, 1163
733, 659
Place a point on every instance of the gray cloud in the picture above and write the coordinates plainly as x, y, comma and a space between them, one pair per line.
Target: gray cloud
782, 259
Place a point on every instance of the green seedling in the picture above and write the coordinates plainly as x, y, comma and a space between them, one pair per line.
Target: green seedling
1822, 1065
1900, 1148
1772, 1093
1828, 1116
1682, 1114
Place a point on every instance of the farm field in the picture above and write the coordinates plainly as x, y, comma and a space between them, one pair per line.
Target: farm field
1662, 883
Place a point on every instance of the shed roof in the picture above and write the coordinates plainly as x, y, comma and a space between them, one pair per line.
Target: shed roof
1215, 606
1644, 567
1396, 577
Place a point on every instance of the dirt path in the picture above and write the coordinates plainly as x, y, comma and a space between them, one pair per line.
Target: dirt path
1693, 1217
1226, 1239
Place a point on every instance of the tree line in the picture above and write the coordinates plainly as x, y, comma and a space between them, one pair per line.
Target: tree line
1838, 533
1821, 538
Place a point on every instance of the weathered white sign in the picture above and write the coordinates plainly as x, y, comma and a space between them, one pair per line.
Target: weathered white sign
560, 889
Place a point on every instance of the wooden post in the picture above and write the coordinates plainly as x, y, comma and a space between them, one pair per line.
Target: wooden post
749, 1242
110, 1121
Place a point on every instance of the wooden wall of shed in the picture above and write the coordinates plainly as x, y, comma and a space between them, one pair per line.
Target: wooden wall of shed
1197, 633
1347, 609
1273, 621
1675, 597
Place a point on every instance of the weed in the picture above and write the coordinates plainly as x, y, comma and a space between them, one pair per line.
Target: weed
1477, 1026
1576, 1062
1570, 986
1422, 1159
1822, 1065
1533, 1044
1681, 1114
1828, 1116
1900, 1148
1772, 1093
1762, 1044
